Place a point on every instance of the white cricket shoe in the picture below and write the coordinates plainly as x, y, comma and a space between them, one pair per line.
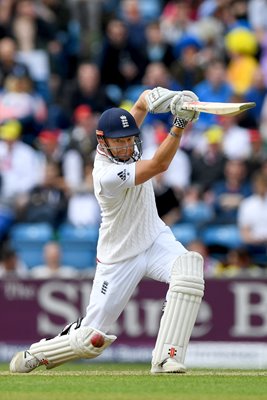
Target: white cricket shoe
168, 366
24, 362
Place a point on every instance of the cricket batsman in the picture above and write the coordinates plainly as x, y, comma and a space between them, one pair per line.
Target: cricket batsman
133, 243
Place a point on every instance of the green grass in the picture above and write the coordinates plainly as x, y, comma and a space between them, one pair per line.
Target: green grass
131, 382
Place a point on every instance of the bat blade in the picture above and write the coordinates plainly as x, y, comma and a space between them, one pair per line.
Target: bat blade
218, 108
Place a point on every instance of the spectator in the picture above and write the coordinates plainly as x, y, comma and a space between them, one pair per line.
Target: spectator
47, 29
157, 50
257, 10
20, 101
239, 11
210, 31
180, 162
257, 155
175, 20
157, 74
167, 202
263, 168
18, 163
132, 17
236, 142
231, 13
208, 163
86, 89
263, 120
36, 59
47, 201
187, 69
11, 267
52, 148
5, 17
121, 64
252, 218
59, 17
228, 193
82, 134
242, 47
83, 208
256, 92
213, 88
8, 59
52, 267
238, 263
263, 55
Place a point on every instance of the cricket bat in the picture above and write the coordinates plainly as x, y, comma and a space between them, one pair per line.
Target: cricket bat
218, 108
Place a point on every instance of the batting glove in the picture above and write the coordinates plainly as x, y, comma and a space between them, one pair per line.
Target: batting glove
159, 100
177, 104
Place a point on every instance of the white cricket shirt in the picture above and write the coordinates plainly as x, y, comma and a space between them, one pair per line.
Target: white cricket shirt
130, 221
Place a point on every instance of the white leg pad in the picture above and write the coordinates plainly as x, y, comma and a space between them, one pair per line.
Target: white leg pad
74, 345
183, 300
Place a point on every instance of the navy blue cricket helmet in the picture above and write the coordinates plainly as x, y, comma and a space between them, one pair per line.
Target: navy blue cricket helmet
117, 123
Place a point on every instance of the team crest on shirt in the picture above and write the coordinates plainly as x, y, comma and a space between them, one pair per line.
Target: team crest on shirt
122, 175
124, 121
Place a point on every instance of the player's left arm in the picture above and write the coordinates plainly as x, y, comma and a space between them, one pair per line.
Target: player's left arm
140, 108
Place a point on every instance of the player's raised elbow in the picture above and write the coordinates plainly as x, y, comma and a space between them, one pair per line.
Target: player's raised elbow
161, 166
147, 169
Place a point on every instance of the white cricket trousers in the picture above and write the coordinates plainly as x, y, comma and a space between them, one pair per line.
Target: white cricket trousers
114, 284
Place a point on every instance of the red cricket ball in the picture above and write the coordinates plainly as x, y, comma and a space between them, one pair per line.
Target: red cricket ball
97, 340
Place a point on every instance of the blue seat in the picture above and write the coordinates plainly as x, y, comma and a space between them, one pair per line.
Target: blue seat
6, 220
222, 235
28, 239
78, 245
200, 213
184, 232
32, 231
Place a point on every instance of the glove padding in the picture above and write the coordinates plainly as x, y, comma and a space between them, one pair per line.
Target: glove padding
159, 100
177, 103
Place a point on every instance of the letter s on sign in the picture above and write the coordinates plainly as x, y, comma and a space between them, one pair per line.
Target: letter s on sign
60, 307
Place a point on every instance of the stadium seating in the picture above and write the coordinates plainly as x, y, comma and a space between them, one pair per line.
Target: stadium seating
199, 214
185, 232
78, 245
28, 239
222, 235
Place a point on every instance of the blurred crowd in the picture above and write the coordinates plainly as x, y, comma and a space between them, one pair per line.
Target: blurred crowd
63, 62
